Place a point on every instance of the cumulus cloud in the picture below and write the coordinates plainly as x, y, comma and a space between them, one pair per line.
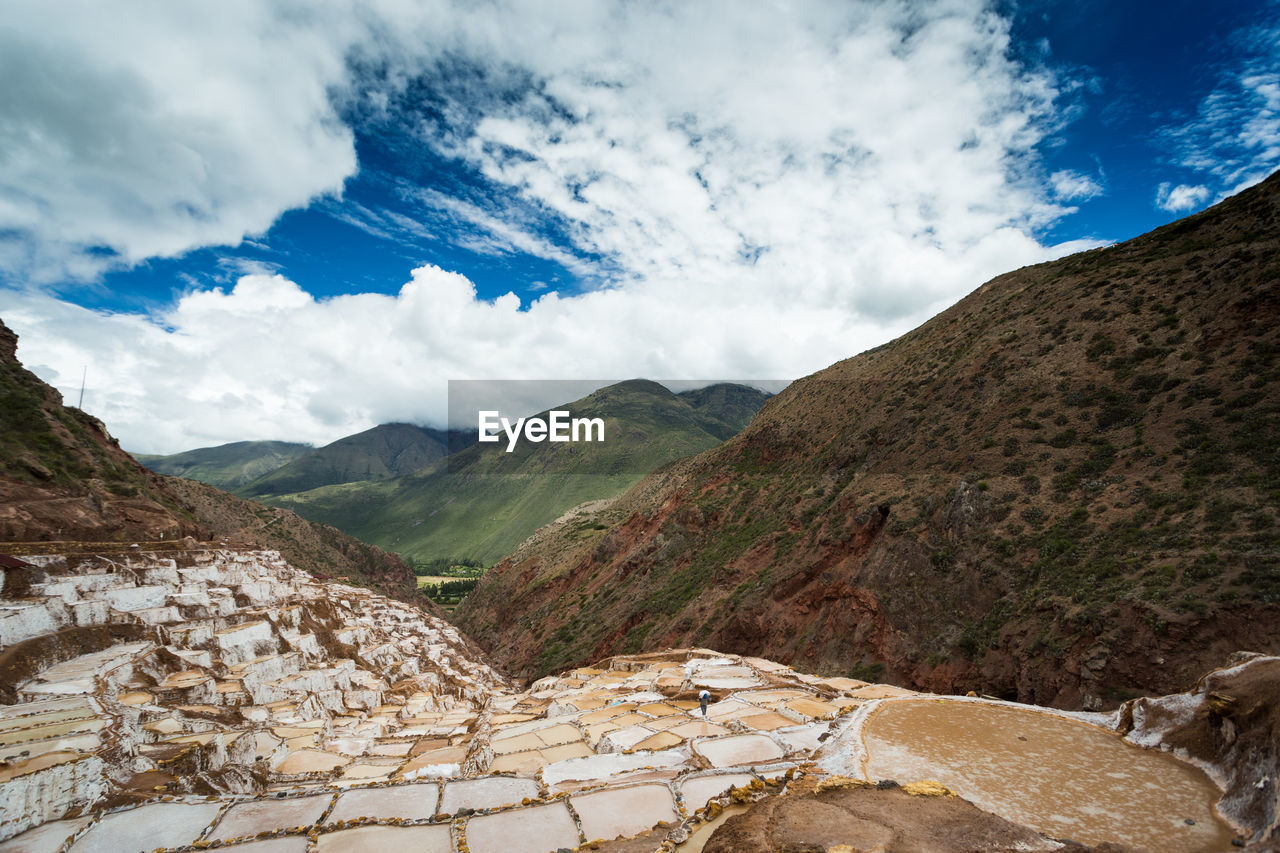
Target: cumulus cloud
766, 193
1180, 198
131, 131
265, 359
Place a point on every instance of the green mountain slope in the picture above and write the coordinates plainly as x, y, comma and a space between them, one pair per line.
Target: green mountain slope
482, 501
1064, 489
380, 453
226, 466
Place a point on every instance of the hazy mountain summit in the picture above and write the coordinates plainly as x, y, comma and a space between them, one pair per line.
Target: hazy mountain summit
380, 453
226, 465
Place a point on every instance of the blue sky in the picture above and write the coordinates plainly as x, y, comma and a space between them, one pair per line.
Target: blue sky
288, 220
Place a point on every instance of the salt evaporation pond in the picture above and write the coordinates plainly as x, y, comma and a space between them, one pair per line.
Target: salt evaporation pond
1062, 777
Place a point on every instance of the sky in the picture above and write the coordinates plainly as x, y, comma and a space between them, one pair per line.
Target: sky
294, 220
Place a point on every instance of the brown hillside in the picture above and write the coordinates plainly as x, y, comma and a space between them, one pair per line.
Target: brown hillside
63, 477
1062, 489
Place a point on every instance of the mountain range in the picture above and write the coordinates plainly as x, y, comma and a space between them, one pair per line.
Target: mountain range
482, 501
383, 452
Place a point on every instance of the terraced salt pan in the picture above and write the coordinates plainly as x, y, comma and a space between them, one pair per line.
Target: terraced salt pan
738, 750
258, 816
148, 827
1062, 777
700, 790
292, 844
609, 764
44, 839
79, 674
624, 811
359, 774
726, 682
532, 830
486, 793
803, 738
311, 761
810, 707
767, 722
661, 740
435, 762
37, 762
532, 762
383, 839
45, 713
730, 709
407, 709
39, 729
412, 802
699, 728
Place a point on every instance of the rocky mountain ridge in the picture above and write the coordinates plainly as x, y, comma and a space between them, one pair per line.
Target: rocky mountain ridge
382, 452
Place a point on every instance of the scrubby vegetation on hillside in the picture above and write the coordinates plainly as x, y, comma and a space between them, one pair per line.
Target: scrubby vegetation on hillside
1064, 488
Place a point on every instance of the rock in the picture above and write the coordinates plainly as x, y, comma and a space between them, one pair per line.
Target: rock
1230, 725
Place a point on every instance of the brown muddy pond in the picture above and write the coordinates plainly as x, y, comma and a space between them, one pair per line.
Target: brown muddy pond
1062, 777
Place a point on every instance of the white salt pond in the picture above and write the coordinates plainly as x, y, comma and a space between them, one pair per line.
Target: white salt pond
413, 802
699, 790
148, 827
533, 830
384, 839
48, 838
737, 750
1062, 777
486, 793
624, 811
251, 818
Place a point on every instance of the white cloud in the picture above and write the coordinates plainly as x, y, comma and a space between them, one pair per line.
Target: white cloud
150, 129
1069, 185
1181, 198
770, 192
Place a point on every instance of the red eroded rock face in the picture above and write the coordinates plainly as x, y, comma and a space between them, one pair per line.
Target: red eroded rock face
1059, 490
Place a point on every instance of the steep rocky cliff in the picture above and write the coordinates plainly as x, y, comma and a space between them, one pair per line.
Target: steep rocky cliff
1062, 489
